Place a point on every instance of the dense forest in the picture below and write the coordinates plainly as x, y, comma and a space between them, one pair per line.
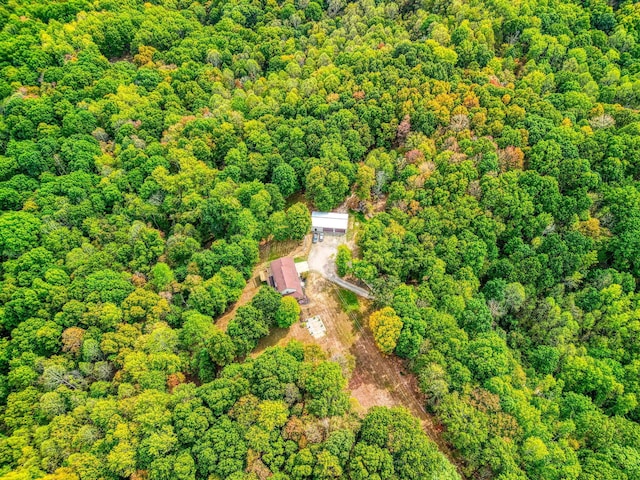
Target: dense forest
148, 149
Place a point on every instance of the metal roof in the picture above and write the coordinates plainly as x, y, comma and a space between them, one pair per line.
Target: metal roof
330, 220
285, 276
302, 267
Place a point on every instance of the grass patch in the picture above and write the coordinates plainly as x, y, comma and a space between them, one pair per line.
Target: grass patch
299, 259
356, 220
273, 256
348, 301
274, 338
358, 216
297, 198
274, 250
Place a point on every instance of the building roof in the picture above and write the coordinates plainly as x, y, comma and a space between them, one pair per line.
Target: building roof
330, 220
285, 276
302, 267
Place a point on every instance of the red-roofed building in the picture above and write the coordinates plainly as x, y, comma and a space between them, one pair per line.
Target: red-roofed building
285, 279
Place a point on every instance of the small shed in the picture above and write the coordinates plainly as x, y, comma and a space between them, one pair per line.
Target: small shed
264, 276
331, 223
285, 279
302, 267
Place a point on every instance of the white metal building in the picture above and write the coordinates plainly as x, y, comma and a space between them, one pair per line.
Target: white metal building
331, 223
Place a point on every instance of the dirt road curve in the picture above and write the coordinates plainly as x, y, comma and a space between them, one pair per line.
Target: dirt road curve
322, 260
375, 379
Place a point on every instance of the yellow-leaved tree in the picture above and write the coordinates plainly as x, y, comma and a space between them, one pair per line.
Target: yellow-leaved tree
386, 326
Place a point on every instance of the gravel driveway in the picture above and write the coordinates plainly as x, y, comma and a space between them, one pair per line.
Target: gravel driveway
322, 259
322, 256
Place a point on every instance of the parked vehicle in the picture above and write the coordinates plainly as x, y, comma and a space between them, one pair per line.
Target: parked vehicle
321, 236
315, 238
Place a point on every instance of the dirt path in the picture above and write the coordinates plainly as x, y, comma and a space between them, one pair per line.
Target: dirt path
375, 379
268, 252
252, 287
381, 380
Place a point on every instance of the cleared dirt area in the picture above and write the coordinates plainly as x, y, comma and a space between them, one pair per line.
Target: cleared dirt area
322, 260
322, 254
374, 379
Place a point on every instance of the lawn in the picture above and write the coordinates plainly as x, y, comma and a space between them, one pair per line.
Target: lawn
356, 220
348, 301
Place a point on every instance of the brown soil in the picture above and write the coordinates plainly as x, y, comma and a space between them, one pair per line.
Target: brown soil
377, 379
252, 287
374, 379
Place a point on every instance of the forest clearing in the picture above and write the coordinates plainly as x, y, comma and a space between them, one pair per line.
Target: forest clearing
449, 190
375, 379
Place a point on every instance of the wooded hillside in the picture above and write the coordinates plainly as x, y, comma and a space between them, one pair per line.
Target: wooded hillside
147, 149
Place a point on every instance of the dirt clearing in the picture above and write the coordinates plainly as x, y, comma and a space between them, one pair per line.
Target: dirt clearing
375, 379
